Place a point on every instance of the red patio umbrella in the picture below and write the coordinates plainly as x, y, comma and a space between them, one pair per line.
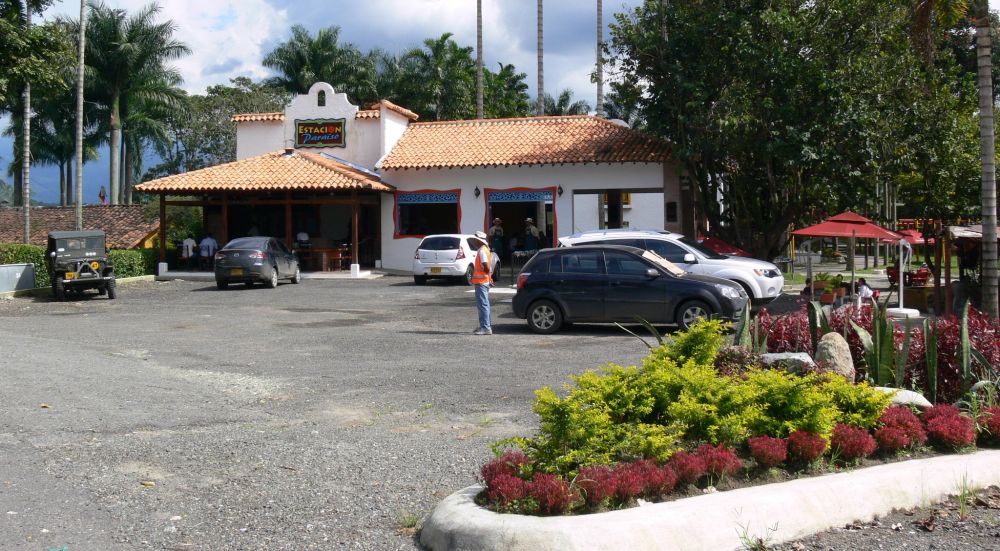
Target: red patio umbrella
848, 224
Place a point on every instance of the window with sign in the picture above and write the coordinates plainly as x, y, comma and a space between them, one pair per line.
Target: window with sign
420, 213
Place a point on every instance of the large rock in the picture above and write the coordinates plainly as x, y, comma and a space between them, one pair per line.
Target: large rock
901, 397
793, 362
833, 354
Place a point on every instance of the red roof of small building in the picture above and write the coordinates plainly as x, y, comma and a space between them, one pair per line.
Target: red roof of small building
524, 141
124, 225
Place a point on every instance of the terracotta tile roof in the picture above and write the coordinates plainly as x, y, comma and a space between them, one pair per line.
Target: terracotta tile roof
125, 225
527, 141
368, 114
401, 110
255, 117
276, 171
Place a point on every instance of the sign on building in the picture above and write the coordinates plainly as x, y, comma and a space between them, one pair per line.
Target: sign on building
319, 133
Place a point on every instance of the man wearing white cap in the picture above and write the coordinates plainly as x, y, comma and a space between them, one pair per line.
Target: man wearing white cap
482, 279
531, 235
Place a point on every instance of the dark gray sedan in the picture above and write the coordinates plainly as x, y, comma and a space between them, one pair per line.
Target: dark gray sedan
250, 259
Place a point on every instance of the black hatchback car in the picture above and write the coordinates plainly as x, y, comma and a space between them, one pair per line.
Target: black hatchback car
615, 283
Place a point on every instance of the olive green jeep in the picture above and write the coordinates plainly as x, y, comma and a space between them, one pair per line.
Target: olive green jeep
78, 260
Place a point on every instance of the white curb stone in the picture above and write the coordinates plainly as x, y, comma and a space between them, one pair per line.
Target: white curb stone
775, 512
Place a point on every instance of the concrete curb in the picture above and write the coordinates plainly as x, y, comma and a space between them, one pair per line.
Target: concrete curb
48, 290
775, 512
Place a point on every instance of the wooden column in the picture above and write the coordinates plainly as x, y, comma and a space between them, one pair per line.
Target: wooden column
948, 297
354, 227
288, 219
225, 220
163, 228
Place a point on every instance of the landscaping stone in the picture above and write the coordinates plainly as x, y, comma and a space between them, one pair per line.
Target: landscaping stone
793, 362
903, 397
834, 354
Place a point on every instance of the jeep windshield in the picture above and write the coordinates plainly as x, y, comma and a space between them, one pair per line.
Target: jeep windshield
81, 244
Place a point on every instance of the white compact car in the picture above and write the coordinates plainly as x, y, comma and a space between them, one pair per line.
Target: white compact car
761, 280
448, 255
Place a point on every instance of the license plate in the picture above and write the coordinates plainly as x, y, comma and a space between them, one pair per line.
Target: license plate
236, 271
70, 275
435, 270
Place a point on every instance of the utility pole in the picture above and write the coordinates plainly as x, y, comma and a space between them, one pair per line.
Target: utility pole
79, 117
479, 59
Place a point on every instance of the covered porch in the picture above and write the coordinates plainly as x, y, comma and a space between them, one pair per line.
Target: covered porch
284, 195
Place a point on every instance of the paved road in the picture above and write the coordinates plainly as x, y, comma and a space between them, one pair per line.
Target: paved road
313, 416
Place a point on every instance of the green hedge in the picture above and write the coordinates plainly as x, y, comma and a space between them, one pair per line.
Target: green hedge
128, 263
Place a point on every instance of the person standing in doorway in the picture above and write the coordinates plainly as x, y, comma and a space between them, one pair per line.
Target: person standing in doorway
188, 247
207, 247
531, 235
496, 237
482, 279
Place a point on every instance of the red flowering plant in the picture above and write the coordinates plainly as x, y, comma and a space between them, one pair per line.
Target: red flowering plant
506, 490
806, 447
512, 463
630, 482
851, 443
552, 494
657, 480
768, 451
688, 467
989, 423
720, 461
948, 428
596, 484
899, 428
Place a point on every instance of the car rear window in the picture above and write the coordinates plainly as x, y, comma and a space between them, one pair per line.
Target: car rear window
440, 244
248, 243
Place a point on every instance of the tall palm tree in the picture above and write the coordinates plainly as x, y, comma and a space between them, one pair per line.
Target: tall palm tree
984, 54
26, 141
507, 93
541, 65
565, 105
122, 51
78, 150
305, 60
479, 59
600, 60
446, 70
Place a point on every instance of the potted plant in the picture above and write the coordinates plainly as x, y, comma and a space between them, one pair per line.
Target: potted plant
837, 285
821, 280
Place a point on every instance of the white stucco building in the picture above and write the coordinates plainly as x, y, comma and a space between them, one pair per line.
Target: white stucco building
376, 180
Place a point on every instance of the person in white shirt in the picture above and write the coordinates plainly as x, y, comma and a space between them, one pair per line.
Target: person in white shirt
208, 247
187, 251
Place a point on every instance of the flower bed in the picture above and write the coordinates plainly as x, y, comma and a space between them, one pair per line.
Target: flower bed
677, 426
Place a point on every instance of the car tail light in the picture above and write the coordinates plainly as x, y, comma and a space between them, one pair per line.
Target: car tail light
257, 255
522, 278
416, 255
461, 254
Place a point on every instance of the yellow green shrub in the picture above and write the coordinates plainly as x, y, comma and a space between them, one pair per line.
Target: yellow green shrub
860, 404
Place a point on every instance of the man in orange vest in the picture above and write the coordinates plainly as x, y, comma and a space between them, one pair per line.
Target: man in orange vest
482, 279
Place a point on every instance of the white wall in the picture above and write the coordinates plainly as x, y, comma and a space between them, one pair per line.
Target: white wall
398, 253
259, 137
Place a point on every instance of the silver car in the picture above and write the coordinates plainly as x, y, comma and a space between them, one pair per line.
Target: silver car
251, 259
448, 255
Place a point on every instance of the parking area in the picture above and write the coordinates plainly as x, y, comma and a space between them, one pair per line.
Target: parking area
314, 416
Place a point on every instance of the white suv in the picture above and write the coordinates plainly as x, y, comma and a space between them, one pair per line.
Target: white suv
761, 280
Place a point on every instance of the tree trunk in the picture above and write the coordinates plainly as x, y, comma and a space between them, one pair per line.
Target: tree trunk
114, 150
541, 65
127, 176
79, 115
479, 59
62, 183
600, 61
69, 183
26, 143
984, 52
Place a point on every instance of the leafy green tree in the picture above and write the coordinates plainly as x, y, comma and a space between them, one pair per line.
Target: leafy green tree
305, 60
565, 105
505, 93
29, 55
126, 57
447, 75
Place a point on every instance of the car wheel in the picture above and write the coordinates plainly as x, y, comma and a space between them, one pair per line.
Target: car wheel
746, 288
273, 282
691, 312
58, 290
298, 275
221, 284
544, 317
101, 291
419, 279
248, 283
112, 290
468, 275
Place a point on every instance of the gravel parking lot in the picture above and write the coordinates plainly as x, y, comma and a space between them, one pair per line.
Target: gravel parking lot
324, 415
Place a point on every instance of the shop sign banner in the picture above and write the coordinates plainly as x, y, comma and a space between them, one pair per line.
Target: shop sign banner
319, 133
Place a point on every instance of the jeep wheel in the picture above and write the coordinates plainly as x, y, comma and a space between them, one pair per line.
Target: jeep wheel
221, 284
112, 290
58, 290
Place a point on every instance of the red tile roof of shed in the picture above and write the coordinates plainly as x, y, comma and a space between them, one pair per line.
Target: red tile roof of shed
125, 225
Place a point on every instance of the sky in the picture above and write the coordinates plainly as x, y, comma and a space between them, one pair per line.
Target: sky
229, 38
